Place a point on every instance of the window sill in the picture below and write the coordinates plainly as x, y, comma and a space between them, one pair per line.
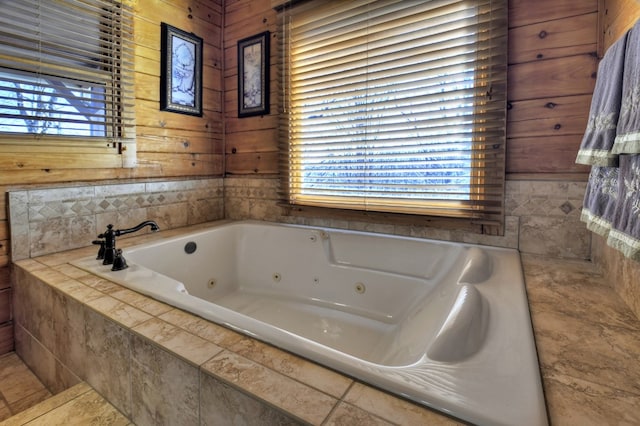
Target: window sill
459, 224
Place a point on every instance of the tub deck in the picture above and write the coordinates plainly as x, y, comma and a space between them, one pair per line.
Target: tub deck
453, 333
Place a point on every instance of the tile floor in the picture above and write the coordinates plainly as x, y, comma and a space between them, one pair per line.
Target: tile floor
19, 387
25, 401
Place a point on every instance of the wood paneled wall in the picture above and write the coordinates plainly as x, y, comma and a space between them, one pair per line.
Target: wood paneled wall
171, 144
251, 143
168, 144
616, 17
552, 68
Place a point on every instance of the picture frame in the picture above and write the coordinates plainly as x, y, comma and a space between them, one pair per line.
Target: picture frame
253, 75
181, 71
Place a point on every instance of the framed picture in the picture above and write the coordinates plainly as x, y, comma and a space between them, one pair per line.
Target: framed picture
181, 73
253, 75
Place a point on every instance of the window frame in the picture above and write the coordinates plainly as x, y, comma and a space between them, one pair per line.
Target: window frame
117, 147
485, 223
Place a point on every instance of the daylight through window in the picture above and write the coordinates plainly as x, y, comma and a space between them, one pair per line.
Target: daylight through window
66, 69
396, 106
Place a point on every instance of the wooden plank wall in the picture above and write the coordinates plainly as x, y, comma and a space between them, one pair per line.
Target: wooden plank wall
552, 68
617, 16
168, 144
251, 143
171, 144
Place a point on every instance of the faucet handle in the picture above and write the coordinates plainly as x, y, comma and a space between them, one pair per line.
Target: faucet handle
108, 233
119, 262
101, 250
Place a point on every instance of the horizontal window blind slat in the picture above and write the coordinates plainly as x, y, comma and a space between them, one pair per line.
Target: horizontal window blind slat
66, 68
387, 106
442, 24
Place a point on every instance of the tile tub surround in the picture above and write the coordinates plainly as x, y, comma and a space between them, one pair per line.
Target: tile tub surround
46, 220
622, 273
160, 365
541, 217
587, 339
588, 343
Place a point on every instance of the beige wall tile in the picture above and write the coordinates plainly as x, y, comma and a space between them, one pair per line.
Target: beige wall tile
59, 234
539, 216
99, 284
393, 409
118, 311
620, 272
69, 326
293, 366
205, 210
49, 220
120, 219
78, 291
19, 222
221, 405
274, 388
554, 236
108, 366
214, 333
145, 304
165, 389
347, 414
189, 346
170, 215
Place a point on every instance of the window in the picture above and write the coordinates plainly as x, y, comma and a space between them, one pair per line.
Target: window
66, 69
396, 106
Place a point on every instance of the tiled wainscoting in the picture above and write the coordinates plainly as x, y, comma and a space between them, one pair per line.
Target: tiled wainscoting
541, 217
622, 273
49, 220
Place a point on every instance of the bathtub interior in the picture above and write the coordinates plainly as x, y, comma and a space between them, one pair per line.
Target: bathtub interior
356, 293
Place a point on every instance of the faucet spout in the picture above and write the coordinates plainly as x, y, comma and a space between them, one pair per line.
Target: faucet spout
150, 223
108, 248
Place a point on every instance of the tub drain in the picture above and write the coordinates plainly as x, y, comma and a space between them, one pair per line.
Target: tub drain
190, 247
276, 277
360, 288
211, 283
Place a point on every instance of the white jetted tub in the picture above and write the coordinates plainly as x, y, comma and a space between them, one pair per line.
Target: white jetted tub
446, 325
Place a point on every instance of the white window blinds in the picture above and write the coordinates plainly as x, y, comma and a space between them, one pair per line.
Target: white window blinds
395, 106
66, 69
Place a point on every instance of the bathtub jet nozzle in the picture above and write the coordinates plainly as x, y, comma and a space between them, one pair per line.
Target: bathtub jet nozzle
110, 235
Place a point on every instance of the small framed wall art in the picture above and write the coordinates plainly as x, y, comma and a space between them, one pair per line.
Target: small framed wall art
181, 72
253, 75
